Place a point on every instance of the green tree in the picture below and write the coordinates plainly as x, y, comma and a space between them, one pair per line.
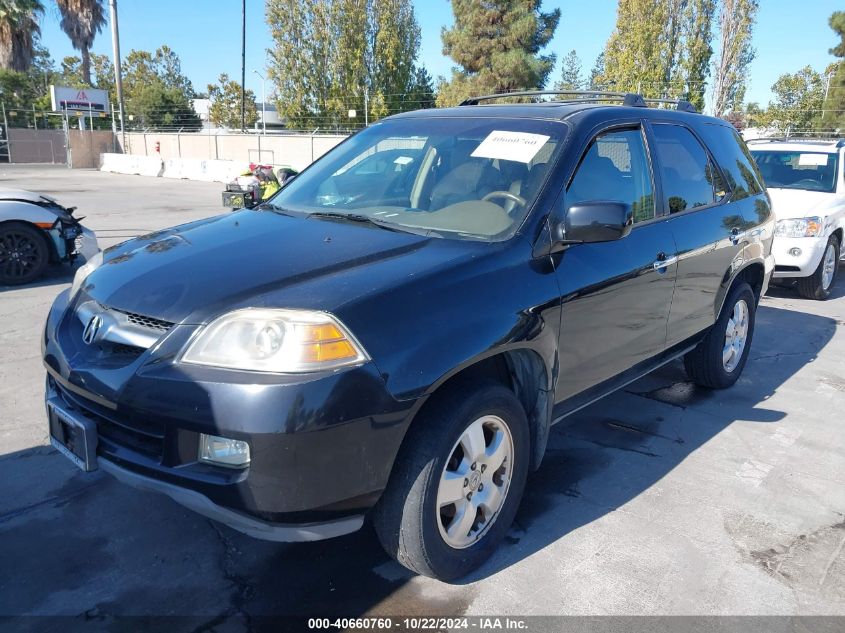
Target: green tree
697, 51
570, 74
100, 67
42, 73
660, 48
496, 45
421, 94
754, 115
300, 60
395, 43
798, 101
81, 20
635, 55
330, 56
597, 74
156, 93
833, 117
730, 69
19, 31
225, 109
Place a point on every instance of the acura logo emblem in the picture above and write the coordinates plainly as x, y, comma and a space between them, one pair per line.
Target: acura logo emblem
89, 335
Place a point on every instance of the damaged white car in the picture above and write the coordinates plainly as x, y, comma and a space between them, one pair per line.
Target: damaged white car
36, 231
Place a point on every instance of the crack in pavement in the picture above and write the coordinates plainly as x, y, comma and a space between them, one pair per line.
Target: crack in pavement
244, 590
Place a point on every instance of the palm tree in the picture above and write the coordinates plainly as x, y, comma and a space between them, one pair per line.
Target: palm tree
18, 30
82, 20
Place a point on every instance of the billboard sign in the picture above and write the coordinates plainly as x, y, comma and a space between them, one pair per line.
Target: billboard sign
81, 99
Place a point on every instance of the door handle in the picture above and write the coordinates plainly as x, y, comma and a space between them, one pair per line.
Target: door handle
736, 235
663, 261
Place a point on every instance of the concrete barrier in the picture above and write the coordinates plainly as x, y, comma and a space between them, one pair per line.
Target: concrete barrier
207, 170
131, 164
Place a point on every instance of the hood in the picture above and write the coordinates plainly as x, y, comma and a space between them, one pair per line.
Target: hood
800, 203
259, 258
27, 196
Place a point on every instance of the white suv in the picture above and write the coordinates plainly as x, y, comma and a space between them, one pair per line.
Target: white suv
806, 184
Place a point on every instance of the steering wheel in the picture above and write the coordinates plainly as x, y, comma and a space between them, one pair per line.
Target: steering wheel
505, 194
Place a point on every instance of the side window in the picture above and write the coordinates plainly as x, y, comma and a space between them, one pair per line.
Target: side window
736, 161
689, 177
615, 167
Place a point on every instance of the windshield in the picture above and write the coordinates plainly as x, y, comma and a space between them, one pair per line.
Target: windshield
813, 171
445, 177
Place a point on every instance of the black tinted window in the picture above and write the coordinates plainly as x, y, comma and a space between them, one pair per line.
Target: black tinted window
735, 160
615, 167
689, 177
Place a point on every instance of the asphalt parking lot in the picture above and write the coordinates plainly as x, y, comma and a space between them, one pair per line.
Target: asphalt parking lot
662, 499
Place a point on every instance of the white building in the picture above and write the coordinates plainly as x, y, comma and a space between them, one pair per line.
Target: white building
268, 110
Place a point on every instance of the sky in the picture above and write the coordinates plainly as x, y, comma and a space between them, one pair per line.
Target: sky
789, 35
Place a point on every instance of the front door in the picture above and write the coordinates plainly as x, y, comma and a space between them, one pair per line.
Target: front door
615, 295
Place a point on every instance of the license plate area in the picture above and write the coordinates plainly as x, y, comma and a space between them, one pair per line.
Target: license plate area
73, 436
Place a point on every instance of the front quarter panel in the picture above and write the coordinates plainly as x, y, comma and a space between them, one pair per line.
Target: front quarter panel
426, 331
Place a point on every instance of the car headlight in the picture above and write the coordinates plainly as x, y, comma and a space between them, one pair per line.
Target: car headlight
83, 271
800, 227
275, 341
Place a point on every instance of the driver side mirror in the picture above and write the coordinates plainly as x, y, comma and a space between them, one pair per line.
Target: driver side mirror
595, 221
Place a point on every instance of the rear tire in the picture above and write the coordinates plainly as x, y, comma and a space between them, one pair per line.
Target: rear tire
818, 285
718, 360
424, 519
23, 253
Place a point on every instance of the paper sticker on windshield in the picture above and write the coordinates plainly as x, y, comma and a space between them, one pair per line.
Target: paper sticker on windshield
403, 160
812, 160
517, 146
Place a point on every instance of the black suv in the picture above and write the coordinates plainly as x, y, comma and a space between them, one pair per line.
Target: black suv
393, 334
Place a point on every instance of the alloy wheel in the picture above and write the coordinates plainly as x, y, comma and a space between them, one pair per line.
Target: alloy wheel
474, 482
18, 255
736, 335
829, 266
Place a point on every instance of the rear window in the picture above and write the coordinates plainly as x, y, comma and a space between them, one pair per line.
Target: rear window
808, 170
736, 162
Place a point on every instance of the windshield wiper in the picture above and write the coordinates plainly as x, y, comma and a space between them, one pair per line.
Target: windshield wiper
269, 206
355, 217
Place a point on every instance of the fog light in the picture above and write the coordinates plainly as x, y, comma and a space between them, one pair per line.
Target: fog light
223, 451
795, 252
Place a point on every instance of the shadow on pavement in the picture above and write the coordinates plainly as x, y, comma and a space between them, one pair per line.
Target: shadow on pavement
54, 275
86, 546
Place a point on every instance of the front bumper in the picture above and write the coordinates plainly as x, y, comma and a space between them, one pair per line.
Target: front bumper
86, 245
794, 266
322, 447
243, 523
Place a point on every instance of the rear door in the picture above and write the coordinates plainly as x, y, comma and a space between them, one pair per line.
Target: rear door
709, 231
616, 295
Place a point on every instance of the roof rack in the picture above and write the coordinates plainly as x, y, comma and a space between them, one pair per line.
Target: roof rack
632, 99
840, 142
680, 104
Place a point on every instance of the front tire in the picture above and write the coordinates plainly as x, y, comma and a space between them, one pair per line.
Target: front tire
718, 360
23, 253
818, 285
456, 483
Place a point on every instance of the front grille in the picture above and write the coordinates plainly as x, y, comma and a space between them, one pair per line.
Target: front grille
120, 349
147, 322
149, 442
